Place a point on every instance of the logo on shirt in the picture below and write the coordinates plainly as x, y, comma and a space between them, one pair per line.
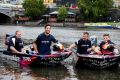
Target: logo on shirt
20, 44
45, 41
85, 45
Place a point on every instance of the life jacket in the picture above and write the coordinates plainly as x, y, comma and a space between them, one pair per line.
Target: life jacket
7, 38
107, 48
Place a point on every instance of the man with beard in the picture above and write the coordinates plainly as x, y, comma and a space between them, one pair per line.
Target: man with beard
15, 44
82, 44
44, 41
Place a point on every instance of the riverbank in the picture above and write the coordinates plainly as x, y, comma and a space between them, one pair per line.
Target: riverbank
53, 24
68, 24
71, 24
112, 25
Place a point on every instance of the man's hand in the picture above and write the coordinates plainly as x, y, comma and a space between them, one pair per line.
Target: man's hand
71, 47
68, 49
35, 48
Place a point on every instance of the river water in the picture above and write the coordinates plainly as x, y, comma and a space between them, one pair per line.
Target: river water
10, 70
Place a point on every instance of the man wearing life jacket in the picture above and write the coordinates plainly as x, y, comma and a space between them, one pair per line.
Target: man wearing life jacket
106, 46
83, 44
43, 42
15, 44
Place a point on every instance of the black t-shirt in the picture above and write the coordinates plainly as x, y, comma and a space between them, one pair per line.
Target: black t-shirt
17, 43
82, 46
44, 42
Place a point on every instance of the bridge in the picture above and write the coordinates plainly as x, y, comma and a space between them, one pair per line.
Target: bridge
8, 11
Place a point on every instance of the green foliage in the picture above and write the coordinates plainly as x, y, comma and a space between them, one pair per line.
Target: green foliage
93, 10
34, 8
62, 13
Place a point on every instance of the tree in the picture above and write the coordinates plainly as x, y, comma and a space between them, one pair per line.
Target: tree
62, 13
34, 8
93, 10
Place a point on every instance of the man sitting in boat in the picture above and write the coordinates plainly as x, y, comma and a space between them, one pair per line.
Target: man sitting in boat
44, 41
106, 46
83, 44
15, 44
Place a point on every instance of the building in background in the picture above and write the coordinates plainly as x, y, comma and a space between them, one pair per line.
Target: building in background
15, 2
49, 3
116, 3
57, 3
67, 3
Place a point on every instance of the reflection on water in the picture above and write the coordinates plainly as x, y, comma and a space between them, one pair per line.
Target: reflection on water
13, 71
98, 74
10, 70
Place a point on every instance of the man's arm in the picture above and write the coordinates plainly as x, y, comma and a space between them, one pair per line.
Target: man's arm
72, 46
14, 50
54, 40
12, 44
36, 42
35, 47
